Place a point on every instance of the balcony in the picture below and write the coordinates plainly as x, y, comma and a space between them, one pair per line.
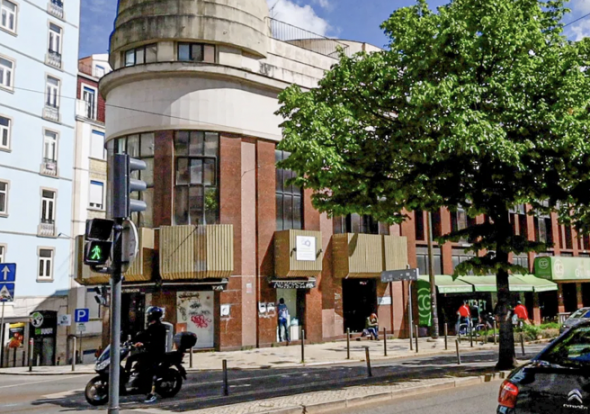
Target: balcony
56, 8
51, 113
53, 58
367, 255
141, 268
49, 167
82, 273
298, 253
47, 228
196, 252
85, 109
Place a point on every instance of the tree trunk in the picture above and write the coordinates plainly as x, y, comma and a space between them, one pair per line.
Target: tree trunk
506, 357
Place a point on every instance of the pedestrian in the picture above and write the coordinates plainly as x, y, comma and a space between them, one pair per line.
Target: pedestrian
283, 311
372, 326
463, 317
521, 314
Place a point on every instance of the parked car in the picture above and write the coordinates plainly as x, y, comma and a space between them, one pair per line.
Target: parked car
575, 318
557, 381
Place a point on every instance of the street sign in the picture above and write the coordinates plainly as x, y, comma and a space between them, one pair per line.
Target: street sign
81, 327
82, 315
6, 292
64, 320
397, 275
7, 272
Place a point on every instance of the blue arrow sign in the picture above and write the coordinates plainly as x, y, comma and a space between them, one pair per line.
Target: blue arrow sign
7, 272
82, 315
6, 292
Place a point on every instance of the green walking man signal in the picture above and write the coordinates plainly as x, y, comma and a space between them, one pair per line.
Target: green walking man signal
97, 252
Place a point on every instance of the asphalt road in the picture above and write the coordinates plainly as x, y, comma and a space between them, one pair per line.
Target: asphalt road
53, 394
468, 400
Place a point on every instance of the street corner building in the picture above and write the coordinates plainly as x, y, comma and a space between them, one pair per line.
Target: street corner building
193, 93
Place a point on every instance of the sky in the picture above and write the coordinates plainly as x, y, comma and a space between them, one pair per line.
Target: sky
344, 19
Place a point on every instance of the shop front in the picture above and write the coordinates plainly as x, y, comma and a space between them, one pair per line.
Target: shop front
43, 332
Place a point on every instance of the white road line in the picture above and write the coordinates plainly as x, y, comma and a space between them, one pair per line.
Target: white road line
38, 382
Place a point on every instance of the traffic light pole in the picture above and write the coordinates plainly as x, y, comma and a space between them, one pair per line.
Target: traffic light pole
115, 309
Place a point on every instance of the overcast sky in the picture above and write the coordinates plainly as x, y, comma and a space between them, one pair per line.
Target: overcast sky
345, 19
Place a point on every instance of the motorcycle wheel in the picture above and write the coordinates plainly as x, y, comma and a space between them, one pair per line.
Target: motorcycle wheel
97, 391
170, 384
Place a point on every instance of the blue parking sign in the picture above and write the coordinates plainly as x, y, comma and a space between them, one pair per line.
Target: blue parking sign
82, 315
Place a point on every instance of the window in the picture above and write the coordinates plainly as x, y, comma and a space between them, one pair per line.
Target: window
419, 225
3, 197
52, 87
50, 147
4, 132
141, 55
2, 253
141, 147
48, 207
572, 350
288, 198
45, 264
355, 223
97, 194
55, 39
89, 97
521, 260
8, 18
196, 52
422, 259
543, 231
99, 71
97, 145
6, 67
196, 199
569, 238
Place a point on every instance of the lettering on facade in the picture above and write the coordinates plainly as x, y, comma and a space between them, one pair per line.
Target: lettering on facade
292, 285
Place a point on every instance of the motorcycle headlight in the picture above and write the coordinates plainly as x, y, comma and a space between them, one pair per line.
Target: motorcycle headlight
102, 365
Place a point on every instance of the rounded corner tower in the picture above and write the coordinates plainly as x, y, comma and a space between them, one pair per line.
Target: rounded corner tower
239, 23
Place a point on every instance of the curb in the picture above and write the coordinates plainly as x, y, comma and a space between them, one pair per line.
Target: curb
387, 396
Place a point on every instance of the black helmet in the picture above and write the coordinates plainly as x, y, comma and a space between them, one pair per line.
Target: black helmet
154, 313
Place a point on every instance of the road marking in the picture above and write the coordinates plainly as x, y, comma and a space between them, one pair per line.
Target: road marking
38, 382
61, 394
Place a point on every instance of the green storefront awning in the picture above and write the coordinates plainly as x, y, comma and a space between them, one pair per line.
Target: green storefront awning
480, 283
446, 284
560, 268
539, 285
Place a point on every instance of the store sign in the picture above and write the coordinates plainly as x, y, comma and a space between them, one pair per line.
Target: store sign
306, 251
562, 268
424, 304
289, 284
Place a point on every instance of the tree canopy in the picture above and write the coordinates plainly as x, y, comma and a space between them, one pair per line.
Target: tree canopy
482, 104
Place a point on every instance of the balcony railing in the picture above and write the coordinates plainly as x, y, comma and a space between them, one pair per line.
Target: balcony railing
305, 39
56, 8
49, 167
85, 109
51, 113
46, 228
53, 58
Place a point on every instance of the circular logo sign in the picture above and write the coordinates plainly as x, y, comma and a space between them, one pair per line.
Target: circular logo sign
37, 319
543, 264
558, 269
424, 302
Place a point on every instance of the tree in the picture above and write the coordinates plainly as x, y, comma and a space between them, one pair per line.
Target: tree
483, 105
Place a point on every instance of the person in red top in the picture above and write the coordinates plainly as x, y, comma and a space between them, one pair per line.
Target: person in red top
521, 313
464, 317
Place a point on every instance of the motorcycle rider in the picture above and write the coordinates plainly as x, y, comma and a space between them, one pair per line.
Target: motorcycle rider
154, 341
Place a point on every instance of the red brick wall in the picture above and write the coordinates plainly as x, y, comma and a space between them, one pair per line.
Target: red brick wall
313, 298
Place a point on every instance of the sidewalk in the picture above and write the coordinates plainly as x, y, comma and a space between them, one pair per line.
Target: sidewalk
329, 353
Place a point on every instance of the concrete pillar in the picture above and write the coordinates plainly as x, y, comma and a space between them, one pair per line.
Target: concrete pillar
560, 304
579, 297
537, 319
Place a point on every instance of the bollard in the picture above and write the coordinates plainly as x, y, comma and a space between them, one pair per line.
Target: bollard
190, 358
74, 354
446, 336
24, 358
368, 358
14, 358
302, 345
411, 341
225, 382
30, 355
416, 329
384, 342
470, 335
494, 332
458, 354
347, 343
522, 342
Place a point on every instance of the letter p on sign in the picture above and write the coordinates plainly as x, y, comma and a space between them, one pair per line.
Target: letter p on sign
82, 315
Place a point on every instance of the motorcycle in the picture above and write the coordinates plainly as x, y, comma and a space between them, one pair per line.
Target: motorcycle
135, 378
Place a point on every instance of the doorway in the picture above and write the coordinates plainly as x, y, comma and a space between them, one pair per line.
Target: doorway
570, 297
359, 300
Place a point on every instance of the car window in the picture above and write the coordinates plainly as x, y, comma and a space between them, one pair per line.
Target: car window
587, 315
572, 350
578, 313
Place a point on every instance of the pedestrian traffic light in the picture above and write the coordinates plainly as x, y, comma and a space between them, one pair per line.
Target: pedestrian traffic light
97, 250
123, 185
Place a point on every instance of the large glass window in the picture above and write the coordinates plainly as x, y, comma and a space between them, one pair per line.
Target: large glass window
458, 256
422, 260
196, 52
196, 197
141, 55
141, 147
289, 198
355, 223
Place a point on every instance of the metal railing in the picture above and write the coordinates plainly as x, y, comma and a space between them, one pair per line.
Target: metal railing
56, 8
305, 39
46, 229
53, 58
51, 113
49, 167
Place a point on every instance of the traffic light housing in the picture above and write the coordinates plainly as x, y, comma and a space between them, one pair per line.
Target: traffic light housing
123, 185
97, 249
